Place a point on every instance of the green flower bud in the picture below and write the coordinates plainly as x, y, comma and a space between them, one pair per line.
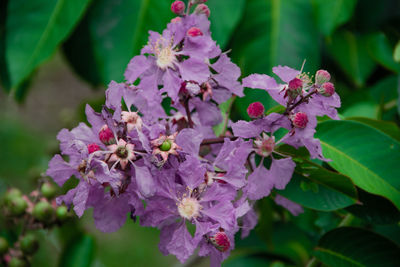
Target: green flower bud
3, 246
43, 211
166, 145
62, 213
17, 262
29, 244
48, 190
11, 194
17, 206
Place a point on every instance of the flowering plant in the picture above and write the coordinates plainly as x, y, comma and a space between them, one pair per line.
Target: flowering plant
165, 165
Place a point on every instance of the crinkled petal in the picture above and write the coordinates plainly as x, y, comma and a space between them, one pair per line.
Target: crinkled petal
285, 73
144, 181
60, 170
172, 84
281, 171
182, 244
194, 69
192, 172
110, 214
137, 66
189, 140
260, 183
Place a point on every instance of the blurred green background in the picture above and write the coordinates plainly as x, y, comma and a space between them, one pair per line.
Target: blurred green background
57, 55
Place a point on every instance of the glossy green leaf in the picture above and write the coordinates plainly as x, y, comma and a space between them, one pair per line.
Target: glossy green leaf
350, 246
382, 52
368, 156
375, 209
331, 14
34, 29
225, 15
78, 253
368, 109
111, 33
396, 52
315, 196
351, 54
386, 127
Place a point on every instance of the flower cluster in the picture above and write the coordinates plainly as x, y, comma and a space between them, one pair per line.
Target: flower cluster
169, 168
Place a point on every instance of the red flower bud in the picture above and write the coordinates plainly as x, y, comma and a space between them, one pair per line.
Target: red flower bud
295, 88
220, 241
202, 9
255, 110
300, 120
327, 89
321, 77
178, 7
93, 148
194, 32
106, 136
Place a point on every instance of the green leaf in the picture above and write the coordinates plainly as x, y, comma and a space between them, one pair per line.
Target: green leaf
368, 109
256, 260
318, 197
350, 246
382, 52
111, 33
396, 52
224, 17
4, 77
78, 253
331, 14
375, 209
387, 127
351, 54
34, 29
225, 111
272, 39
368, 156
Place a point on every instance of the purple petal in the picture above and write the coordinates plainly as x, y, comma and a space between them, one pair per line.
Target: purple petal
223, 212
144, 181
291, 206
81, 197
262, 81
192, 172
172, 84
137, 66
281, 171
260, 183
189, 140
110, 214
285, 73
181, 244
194, 69
209, 113
60, 170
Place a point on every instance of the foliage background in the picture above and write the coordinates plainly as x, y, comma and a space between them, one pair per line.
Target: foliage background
57, 55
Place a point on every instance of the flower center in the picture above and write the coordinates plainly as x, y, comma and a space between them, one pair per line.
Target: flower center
189, 208
122, 152
165, 57
166, 145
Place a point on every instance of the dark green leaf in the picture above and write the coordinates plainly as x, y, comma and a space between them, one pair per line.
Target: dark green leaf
368, 156
349, 246
331, 14
382, 52
4, 77
350, 52
256, 260
78, 253
396, 53
34, 29
225, 15
387, 127
111, 33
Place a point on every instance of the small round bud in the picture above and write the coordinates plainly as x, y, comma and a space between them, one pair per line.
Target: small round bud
48, 190
220, 241
166, 145
62, 213
3, 246
295, 88
43, 211
327, 89
93, 148
11, 194
29, 244
194, 32
202, 9
321, 77
264, 146
255, 110
17, 206
17, 262
178, 7
106, 136
300, 120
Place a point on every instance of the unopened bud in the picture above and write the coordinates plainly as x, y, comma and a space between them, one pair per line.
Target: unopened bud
327, 89
48, 190
29, 244
178, 7
11, 194
166, 145
265, 145
321, 77
295, 88
17, 206
43, 211
17, 262
255, 110
3, 246
194, 32
176, 20
202, 9
220, 241
299, 120
62, 213
106, 136
93, 148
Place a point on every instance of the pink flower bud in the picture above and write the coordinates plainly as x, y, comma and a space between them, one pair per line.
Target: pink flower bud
93, 148
178, 7
295, 88
176, 20
321, 77
255, 110
106, 136
202, 9
327, 89
220, 241
300, 120
194, 32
